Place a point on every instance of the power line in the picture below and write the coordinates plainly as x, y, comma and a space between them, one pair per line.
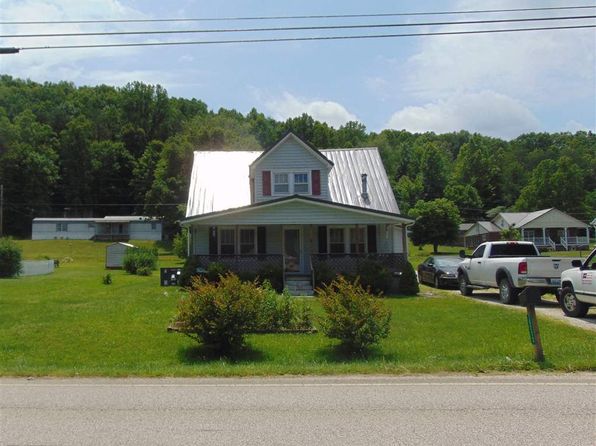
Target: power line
302, 39
298, 28
328, 16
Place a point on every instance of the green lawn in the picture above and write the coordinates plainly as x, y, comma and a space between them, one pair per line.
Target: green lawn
68, 324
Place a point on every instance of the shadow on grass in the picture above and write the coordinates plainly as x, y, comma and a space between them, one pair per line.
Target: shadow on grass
338, 353
199, 353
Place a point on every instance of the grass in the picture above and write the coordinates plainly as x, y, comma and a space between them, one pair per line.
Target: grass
70, 324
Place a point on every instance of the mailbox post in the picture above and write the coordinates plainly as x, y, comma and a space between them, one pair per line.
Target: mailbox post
529, 298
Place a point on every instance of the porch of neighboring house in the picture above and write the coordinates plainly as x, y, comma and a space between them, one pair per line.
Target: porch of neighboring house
557, 238
112, 232
299, 252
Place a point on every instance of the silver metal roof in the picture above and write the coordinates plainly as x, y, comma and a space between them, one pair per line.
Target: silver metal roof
219, 180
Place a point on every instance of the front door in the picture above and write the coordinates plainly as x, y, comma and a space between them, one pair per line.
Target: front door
292, 251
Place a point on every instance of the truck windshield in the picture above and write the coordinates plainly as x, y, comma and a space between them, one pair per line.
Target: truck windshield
513, 250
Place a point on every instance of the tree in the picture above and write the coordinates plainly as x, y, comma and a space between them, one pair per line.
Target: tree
75, 154
511, 233
432, 170
407, 192
467, 200
437, 222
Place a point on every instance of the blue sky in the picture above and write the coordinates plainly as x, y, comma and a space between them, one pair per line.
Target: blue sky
497, 84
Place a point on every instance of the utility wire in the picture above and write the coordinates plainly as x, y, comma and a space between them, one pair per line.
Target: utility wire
298, 28
328, 16
302, 39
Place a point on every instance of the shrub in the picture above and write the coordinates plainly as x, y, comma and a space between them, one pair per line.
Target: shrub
374, 275
10, 258
274, 275
215, 270
107, 279
189, 270
408, 283
180, 244
324, 275
352, 315
280, 312
219, 315
140, 260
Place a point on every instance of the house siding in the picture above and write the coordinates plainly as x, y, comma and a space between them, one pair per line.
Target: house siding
554, 219
77, 230
143, 231
290, 157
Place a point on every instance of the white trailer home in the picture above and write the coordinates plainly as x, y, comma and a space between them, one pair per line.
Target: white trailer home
111, 228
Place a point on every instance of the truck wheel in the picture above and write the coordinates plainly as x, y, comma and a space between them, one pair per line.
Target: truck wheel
570, 305
463, 285
507, 293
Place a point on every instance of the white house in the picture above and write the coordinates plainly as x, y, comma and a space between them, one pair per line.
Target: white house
547, 228
295, 207
111, 228
480, 232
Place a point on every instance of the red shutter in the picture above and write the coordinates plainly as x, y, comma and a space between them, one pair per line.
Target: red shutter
266, 182
316, 182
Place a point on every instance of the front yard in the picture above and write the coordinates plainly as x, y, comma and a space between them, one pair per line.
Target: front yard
69, 323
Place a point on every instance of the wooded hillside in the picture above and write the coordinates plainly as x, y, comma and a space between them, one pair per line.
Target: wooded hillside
95, 151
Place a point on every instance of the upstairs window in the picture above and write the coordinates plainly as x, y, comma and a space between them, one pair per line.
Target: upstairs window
291, 183
281, 184
300, 183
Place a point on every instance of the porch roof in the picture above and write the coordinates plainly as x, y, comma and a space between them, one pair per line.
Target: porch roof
304, 205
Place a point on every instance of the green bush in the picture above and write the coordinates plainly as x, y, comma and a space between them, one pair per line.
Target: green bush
324, 275
107, 279
189, 270
352, 315
215, 270
274, 275
140, 260
180, 244
281, 312
10, 258
374, 276
219, 315
408, 283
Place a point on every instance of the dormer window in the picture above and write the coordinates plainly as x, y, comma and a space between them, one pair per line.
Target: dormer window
291, 183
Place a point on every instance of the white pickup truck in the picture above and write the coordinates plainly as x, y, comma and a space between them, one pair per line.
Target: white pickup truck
510, 267
579, 287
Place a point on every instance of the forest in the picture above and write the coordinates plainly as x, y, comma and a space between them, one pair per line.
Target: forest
95, 151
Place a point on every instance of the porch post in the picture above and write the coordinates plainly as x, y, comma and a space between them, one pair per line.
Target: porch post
544, 235
188, 236
404, 240
522, 234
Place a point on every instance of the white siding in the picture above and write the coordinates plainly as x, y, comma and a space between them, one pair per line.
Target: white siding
398, 245
142, 230
76, 231
291, 156
555, 219
115, 255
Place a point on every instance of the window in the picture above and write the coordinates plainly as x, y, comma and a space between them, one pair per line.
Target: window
357, 240
479, 252
291, 182
153, 226
336, 241
227, 242
281, 184
300, 183
61, 227
247, 241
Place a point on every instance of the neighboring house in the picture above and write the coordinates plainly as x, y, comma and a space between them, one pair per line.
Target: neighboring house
461, 233
480, 232
547, 228
295, 208
112, 228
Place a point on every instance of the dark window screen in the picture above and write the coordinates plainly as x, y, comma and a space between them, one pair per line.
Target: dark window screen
513, 250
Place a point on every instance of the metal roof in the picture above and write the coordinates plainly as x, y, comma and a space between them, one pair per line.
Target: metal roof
219, 180
345, 181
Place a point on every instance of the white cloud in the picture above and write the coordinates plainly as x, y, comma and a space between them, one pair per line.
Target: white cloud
485, 112
539, 67
575, 126
289, 106
60, 64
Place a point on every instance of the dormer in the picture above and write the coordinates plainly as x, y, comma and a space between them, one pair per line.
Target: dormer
290, 167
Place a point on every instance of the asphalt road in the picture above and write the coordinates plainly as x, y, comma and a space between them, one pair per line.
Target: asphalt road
422, 410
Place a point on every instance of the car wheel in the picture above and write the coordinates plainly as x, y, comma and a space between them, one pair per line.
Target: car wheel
570, 305
463, 285
507, 293
437, 282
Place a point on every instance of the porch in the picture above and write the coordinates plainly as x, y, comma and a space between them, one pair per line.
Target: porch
557, 238
111, 232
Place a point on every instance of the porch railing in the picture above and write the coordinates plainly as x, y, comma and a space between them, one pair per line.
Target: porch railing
246, 263
350, 263
571, 242
541, 242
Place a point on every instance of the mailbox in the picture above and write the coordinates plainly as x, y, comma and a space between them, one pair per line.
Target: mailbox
529, 296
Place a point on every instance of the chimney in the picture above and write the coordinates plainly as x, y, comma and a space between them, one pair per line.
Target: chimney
364, 186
